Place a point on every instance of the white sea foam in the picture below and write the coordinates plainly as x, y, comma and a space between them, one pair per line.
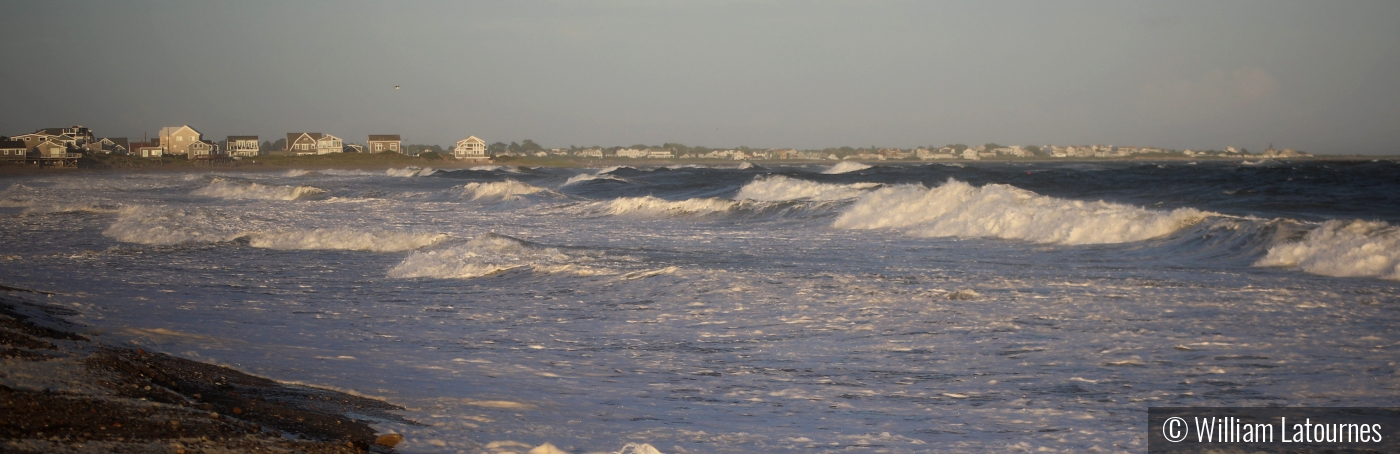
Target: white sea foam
164, 226
1002, 211
408, 172
487, 255
648, 205
32, 207
845, 167
582, 177
345, 239
511, 169
228, 189
297, 173
498, 191
780, 188
746, 165
1342, 249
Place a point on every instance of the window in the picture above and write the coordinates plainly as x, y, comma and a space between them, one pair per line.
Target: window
378, 146
394, 146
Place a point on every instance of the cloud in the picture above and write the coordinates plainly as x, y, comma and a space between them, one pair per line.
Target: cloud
1215, 90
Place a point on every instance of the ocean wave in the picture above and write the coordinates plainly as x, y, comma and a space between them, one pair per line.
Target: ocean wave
409, 172
293, 173
32, 207
780, 188
648, 205
1001, 211
498, 191
229, 189
845, 167
163, 226
493, 168
488, 255
1342, 249
614, 169
582, 177
345, 240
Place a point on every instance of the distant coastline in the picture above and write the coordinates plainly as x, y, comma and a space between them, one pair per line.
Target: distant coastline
382, 161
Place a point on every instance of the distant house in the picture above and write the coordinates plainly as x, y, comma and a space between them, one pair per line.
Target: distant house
631, 153
302, 142
77, 134
590, 153
109, 145
660, 154
242, 146
53, 149
202, 149
176, 140
150, 151
327, 144
379, 143
13, 150
470, 147
353, 148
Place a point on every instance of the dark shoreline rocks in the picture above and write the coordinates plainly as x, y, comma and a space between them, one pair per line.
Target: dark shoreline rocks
62, 392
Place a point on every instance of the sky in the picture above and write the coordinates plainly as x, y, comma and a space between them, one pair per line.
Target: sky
1321, 77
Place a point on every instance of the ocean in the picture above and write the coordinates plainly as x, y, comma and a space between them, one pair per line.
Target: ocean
946, 307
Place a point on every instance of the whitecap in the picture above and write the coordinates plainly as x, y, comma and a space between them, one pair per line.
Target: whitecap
344, 239
1342, 249
1001, 211
779, 188
845, 167
490, 254
227, 189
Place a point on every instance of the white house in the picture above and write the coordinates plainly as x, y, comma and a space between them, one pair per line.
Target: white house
471, 148
661, 154
631, 153
327, 144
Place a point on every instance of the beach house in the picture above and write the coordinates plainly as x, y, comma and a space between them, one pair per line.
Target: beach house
13, 150
327, 144
379, 143
176, 140
242, 146
470, 148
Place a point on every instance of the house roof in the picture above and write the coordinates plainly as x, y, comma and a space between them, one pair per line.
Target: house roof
12, 144
295, 136
384, 138
233, 138
471, 138
171, 130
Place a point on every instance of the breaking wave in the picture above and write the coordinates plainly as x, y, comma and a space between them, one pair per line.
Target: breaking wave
1001, 211
499, 191
408, 172
229, 189
1342, 249
162, 226
780, 188
648, 205
582, 177
845, 167
344, 239
491, 254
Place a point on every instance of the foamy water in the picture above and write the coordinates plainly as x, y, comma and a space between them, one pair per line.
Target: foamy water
898, 308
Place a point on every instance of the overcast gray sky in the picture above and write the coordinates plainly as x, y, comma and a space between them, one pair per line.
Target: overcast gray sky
1317, 76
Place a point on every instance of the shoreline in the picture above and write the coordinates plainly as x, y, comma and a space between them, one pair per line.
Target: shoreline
373, 162
61, 391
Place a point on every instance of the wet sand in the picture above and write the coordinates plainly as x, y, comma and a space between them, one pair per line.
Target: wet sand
61, 391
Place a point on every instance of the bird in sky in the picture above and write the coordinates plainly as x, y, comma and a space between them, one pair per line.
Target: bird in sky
396, 87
